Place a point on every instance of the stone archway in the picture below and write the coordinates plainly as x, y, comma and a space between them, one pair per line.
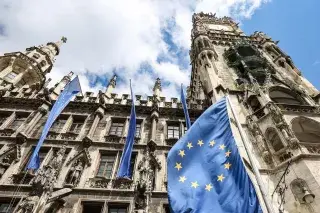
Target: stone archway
306, 129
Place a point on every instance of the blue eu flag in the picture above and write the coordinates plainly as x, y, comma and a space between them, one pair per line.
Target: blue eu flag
70, 90
205, 170
124, 168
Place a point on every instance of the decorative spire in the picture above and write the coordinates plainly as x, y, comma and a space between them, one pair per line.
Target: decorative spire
111, 85
157, 88
62, 40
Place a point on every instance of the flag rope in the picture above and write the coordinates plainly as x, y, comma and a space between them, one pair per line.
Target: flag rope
15, 194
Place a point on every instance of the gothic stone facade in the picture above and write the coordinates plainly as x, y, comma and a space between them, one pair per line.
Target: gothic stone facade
278, 109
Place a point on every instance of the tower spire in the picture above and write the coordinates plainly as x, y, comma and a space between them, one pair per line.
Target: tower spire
157, 88
111, 85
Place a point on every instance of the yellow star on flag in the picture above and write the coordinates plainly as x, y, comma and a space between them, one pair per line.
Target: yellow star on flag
227, 165
212, 143
182, 179
222, 146
209, 187
194, 184
228, 153
181, 153
178, 166
189, 145
200, 142
220, 177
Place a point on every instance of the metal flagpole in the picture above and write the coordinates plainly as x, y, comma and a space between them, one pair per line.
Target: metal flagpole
255, 168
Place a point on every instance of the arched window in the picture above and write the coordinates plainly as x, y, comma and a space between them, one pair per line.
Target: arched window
285, 96
306, 130
274, 139
254, 103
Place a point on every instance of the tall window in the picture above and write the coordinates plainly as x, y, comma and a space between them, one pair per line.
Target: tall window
173, 131
138, 130
59, 124
106, 165
42, 154
117, 209
116, 128
132, 162
17, 122
77, 124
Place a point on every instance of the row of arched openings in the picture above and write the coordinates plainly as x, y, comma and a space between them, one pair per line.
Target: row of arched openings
305, 129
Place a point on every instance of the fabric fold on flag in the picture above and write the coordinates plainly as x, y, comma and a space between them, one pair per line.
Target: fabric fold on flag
124, 168
205, 171
185, 108
70, 90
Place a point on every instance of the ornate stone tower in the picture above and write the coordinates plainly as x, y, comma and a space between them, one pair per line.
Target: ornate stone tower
28, 68
278, 108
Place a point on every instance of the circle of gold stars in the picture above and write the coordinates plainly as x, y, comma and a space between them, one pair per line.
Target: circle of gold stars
220, 178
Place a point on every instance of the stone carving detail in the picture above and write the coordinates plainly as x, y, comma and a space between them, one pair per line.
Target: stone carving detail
75, 172
42, 184
28, 204
260, 143
282, 125
146, 168
12, 154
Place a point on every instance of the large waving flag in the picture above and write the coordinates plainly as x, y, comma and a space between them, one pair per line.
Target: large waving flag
185, 108
124, 169
70, 90
205, 170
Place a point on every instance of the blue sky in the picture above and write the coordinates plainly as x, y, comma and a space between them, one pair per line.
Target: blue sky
296, 24
145, 39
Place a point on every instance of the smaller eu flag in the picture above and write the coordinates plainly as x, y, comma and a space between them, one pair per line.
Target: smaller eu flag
205, 170
70, 90
185, 108
124, 169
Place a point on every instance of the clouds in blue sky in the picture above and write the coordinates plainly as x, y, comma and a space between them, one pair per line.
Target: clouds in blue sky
137, 39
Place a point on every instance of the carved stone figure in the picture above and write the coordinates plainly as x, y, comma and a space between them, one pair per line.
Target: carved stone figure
27, 205
74, 174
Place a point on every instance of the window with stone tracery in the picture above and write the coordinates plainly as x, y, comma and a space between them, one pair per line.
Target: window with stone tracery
77, 124
306, 130
173, 131
18, 120
116, 128
106, 165
274, 138
59, 124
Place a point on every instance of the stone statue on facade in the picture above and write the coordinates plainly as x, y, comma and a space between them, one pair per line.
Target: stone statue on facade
74, 174
28, 204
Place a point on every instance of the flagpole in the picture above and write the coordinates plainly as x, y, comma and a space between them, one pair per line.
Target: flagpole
255, 168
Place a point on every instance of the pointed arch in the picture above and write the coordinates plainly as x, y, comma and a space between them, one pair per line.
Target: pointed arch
306, 129
274, 139
283, 95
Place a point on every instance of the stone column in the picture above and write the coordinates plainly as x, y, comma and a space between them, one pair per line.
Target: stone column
87, 140
40, 112
154, 120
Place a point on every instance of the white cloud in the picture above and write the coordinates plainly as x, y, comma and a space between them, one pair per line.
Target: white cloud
107, 35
